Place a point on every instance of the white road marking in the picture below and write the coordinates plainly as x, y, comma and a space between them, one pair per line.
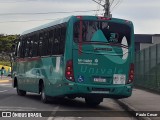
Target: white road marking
54, 111
6, 85
8, 108
3, 91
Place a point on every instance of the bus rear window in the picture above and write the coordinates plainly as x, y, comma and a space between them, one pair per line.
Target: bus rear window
102, 31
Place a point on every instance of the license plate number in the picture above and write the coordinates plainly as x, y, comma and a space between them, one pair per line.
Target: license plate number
101, 80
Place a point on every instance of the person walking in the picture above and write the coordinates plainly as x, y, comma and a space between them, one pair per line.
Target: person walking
2, 72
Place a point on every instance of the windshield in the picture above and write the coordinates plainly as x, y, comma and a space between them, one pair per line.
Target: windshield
102, 31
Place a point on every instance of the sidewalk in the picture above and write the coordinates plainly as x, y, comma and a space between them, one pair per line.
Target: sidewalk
142, 101
5, 79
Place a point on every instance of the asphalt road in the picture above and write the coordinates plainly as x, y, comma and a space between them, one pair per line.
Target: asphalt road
10, 101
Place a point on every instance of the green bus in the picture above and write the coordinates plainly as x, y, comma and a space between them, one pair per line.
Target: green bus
79, 56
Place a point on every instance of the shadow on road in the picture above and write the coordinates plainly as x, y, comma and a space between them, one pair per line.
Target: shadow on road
66, 102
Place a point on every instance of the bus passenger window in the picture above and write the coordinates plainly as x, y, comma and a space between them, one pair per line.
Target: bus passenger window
31, 46
50, 44
35, 46
62, 39
56, 42
40, 44
27, 50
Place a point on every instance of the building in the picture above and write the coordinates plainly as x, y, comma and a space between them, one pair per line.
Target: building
143, 41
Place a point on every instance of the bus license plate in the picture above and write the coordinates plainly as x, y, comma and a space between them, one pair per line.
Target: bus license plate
101, 80
119, 79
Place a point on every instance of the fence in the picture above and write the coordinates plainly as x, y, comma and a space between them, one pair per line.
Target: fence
147, 68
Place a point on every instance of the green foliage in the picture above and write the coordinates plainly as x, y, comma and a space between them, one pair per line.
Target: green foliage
6, 42
5, 63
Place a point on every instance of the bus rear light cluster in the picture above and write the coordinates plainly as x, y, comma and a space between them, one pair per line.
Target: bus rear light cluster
131, 73
69, 70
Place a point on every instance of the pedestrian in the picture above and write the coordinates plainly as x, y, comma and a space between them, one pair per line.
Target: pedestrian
2, 71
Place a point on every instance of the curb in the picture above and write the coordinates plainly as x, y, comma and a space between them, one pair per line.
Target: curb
130, 109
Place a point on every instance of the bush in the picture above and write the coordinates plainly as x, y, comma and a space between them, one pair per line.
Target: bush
5, 63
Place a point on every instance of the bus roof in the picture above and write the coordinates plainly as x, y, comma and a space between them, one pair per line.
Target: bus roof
58, 21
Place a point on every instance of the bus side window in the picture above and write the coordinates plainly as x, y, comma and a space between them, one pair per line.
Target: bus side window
35, 46
40, 44
31, 46
27, 50
23, 47
45, 43
56, 42
50, 44
62, 40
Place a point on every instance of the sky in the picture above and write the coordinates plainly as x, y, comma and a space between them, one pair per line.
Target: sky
17, 16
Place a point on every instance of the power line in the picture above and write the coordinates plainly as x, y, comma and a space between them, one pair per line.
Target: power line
39, 13
27, 20
117, 4
98, 3
111, 2
16, 1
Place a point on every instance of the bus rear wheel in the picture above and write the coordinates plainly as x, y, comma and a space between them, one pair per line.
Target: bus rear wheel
44, 97
92, 101
21, 92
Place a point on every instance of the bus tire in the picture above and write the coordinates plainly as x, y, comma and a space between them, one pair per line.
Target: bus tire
71, 97
20, 92
92, 101
44, 97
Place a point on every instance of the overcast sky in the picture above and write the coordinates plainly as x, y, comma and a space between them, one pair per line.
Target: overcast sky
145, 14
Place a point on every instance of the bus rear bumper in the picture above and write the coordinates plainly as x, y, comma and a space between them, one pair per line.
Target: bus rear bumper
109, 91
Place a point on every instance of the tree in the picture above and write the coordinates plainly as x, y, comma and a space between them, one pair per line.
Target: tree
6, 42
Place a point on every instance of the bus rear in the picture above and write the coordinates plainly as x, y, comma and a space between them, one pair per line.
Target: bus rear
102, 58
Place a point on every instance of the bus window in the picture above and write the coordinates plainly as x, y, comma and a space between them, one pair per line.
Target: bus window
115, 32
31, 46
99, 31
50, 40
62, 39
35, 46
27, 47
56, 42
45, 43
23, 47
40, 44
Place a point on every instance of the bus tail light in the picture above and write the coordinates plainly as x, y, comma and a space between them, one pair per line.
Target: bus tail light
131, 73
69, 70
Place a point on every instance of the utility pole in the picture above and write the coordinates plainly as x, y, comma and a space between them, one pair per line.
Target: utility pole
107, 9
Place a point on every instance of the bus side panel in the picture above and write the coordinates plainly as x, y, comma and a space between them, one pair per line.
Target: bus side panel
53, 75
59, 85
20, 75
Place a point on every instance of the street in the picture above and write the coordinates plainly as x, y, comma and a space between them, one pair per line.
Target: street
10, 101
